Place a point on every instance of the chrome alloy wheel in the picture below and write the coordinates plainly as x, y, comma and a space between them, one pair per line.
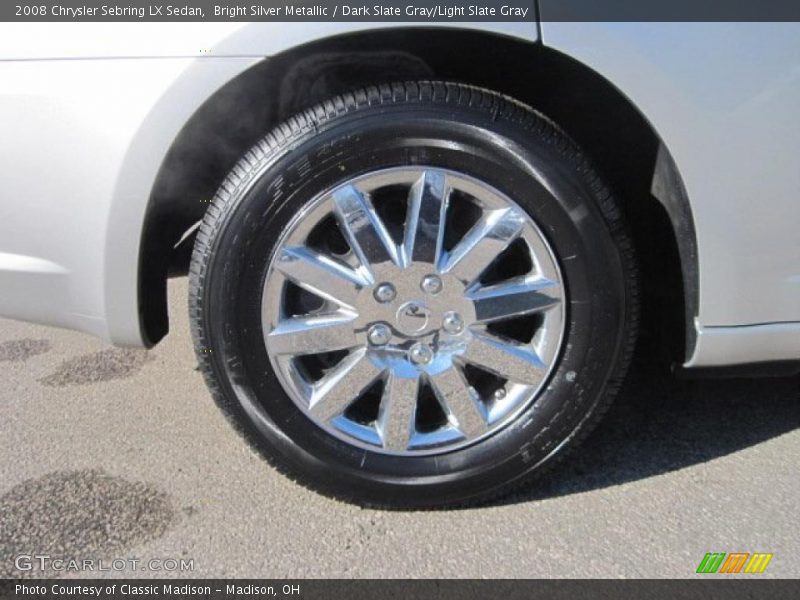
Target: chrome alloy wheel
413, 310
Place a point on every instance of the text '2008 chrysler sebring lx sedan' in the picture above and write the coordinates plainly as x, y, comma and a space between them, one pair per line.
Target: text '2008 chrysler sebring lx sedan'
418, 256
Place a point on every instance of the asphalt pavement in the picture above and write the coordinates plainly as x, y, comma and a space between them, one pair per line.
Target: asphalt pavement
121, 454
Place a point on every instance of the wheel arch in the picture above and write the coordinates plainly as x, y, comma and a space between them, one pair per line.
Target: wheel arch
622, 143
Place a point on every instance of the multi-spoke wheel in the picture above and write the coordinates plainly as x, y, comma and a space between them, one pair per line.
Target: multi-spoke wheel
413, 295
388, 303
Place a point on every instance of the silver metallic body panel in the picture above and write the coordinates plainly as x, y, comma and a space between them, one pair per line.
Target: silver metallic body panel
82, 141
724, 98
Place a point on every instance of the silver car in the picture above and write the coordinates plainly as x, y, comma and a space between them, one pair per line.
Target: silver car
418, 257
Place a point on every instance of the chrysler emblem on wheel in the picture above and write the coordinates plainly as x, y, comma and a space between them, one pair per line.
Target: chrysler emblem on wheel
412, 317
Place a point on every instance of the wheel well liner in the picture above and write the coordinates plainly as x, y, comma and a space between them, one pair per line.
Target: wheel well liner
621, 142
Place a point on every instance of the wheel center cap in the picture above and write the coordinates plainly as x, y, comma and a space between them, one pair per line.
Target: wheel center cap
412, 317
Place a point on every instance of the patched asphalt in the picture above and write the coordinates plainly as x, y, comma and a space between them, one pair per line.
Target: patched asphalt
22, 349
104, 365
118, 453
78, 514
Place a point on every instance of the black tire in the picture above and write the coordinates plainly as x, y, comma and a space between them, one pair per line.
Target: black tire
488, 136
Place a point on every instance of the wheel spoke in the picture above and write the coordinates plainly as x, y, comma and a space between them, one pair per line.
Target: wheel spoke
321, 275
483, 243
313, 334
397, 412
339, 389
461, 400
517, 362
515, 298
424, 231
363, 228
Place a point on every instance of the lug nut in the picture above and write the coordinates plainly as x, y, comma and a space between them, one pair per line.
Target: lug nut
385, 292
452, 322
499, 393
420, 354
431, 284
379, 334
